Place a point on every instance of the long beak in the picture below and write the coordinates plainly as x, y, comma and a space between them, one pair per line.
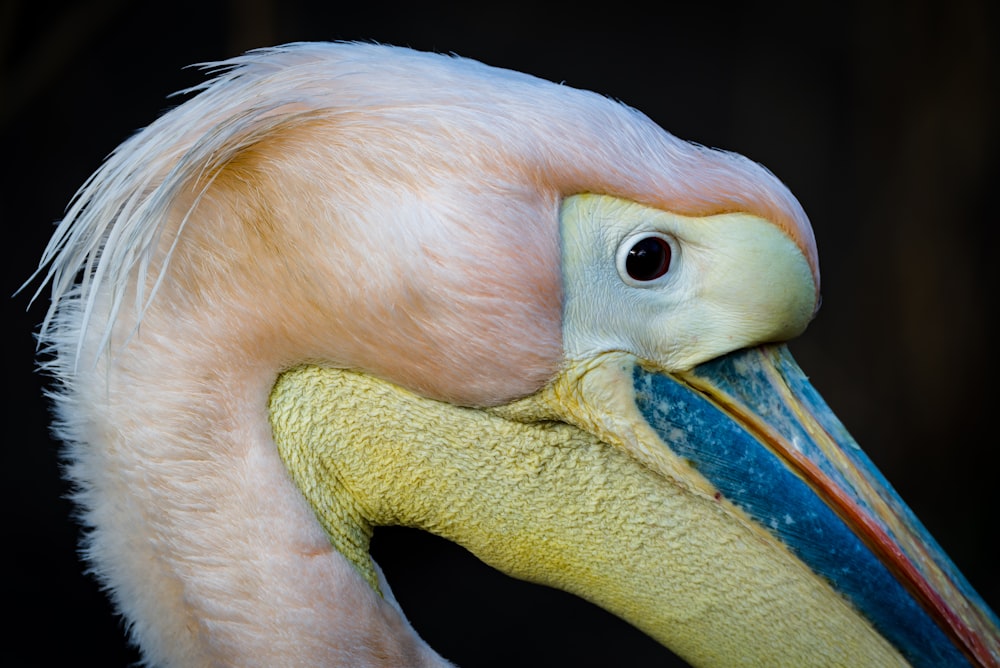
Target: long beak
723, 511
762, 436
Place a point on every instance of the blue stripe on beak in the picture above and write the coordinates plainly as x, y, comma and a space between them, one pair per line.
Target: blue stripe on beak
753, 443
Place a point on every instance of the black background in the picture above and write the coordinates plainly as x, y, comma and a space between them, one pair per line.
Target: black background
881, 116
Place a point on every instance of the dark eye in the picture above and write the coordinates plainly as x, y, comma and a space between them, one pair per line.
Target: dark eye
648, 259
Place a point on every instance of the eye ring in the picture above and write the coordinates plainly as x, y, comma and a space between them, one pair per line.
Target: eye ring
643, 258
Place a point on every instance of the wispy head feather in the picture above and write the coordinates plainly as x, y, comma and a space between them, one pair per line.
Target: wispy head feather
462, 139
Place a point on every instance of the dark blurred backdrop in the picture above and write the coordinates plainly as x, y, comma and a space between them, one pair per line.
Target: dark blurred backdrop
881, 116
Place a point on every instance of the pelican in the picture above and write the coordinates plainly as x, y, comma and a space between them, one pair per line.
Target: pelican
350, 285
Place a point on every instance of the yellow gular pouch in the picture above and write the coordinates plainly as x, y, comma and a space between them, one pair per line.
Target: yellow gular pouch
368, 453
572, 507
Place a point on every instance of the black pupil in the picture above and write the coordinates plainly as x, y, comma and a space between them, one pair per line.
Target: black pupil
648, 259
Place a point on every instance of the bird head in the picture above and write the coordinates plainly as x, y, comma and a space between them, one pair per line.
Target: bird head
523, 317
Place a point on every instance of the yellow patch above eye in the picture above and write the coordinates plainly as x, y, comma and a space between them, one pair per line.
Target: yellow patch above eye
734, 280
